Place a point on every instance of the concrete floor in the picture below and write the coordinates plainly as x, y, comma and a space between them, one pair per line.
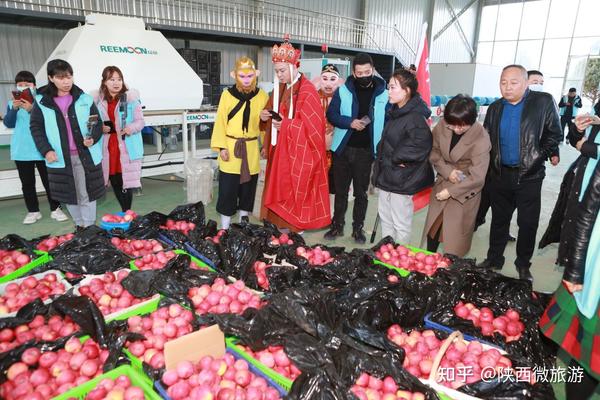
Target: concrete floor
164, 194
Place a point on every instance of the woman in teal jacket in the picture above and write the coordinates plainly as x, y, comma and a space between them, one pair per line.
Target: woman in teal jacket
24, 153
67, 131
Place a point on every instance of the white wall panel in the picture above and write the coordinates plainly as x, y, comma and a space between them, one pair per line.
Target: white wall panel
449, 47
23, 48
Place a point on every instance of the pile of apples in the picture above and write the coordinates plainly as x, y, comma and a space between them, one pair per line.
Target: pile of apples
38, 329
108, 293
137, 247
41, 376
368, 387
472, 359
52, 242
120, 219
275, 358
12, 260
219, 378
282, 239
217, 238
155, 261
24, 291
160, 326
315, 256
421, 349
223, 298
402, 257
182, 226
508, 325
119, 388
260, 268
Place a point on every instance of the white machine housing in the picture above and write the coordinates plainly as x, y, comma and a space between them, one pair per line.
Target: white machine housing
149, 62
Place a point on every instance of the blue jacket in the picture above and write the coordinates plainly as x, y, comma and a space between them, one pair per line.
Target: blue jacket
562, 105
22, 146
49, 131
83, 106
343, 109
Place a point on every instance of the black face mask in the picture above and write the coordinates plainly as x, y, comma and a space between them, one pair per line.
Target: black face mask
364, 81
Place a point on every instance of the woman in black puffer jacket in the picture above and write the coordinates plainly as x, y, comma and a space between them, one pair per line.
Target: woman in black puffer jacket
402, 166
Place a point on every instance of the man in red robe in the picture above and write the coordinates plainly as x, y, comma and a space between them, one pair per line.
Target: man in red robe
296, 194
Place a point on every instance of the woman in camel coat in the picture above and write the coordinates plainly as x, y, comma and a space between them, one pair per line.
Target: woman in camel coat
460, 156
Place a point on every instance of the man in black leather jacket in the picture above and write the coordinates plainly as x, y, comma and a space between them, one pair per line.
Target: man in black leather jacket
524, 130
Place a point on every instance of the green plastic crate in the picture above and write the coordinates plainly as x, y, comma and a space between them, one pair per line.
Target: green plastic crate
41, 260
279, 379
400, 271
138, 380
177, 251
142, 310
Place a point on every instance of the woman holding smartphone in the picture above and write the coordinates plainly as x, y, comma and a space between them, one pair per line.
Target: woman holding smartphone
23, 152
123, 149
460, 156
65, 132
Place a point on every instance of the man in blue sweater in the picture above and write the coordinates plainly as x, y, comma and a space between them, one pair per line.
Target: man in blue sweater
357, 111
525, 131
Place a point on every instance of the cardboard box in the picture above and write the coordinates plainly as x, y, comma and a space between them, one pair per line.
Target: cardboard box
192, 347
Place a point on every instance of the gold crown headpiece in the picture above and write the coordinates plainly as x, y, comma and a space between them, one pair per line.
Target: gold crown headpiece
285, 52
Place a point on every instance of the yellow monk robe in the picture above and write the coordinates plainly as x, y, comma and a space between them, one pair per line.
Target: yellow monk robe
223, 128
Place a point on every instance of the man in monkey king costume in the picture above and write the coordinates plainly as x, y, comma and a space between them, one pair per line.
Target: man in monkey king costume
236, 136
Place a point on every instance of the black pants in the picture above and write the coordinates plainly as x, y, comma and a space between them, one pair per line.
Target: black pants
234, 196
564, 122
26, 171
581, 390
506, 194
124, 196
353, 165
484, 206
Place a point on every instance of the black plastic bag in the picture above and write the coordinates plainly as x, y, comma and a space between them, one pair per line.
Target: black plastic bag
330, 368
174, 280
499, 293
89, 252
238, 252
147, 226
189, 212
81, 309
201, 232
511, 387
289, 253
16, 242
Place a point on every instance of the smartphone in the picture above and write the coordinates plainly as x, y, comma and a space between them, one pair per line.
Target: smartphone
110, 125
24, 95
366, 120
275, 115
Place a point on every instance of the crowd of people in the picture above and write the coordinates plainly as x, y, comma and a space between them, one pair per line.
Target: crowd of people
77, 141
319, 140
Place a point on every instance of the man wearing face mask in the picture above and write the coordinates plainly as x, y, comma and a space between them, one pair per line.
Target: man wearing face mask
535, 80
236, 138
357, 111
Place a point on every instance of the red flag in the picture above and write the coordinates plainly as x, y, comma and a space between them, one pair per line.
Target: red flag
422, 63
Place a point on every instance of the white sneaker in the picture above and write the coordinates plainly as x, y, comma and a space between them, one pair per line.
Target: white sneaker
59, 215
32, 218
